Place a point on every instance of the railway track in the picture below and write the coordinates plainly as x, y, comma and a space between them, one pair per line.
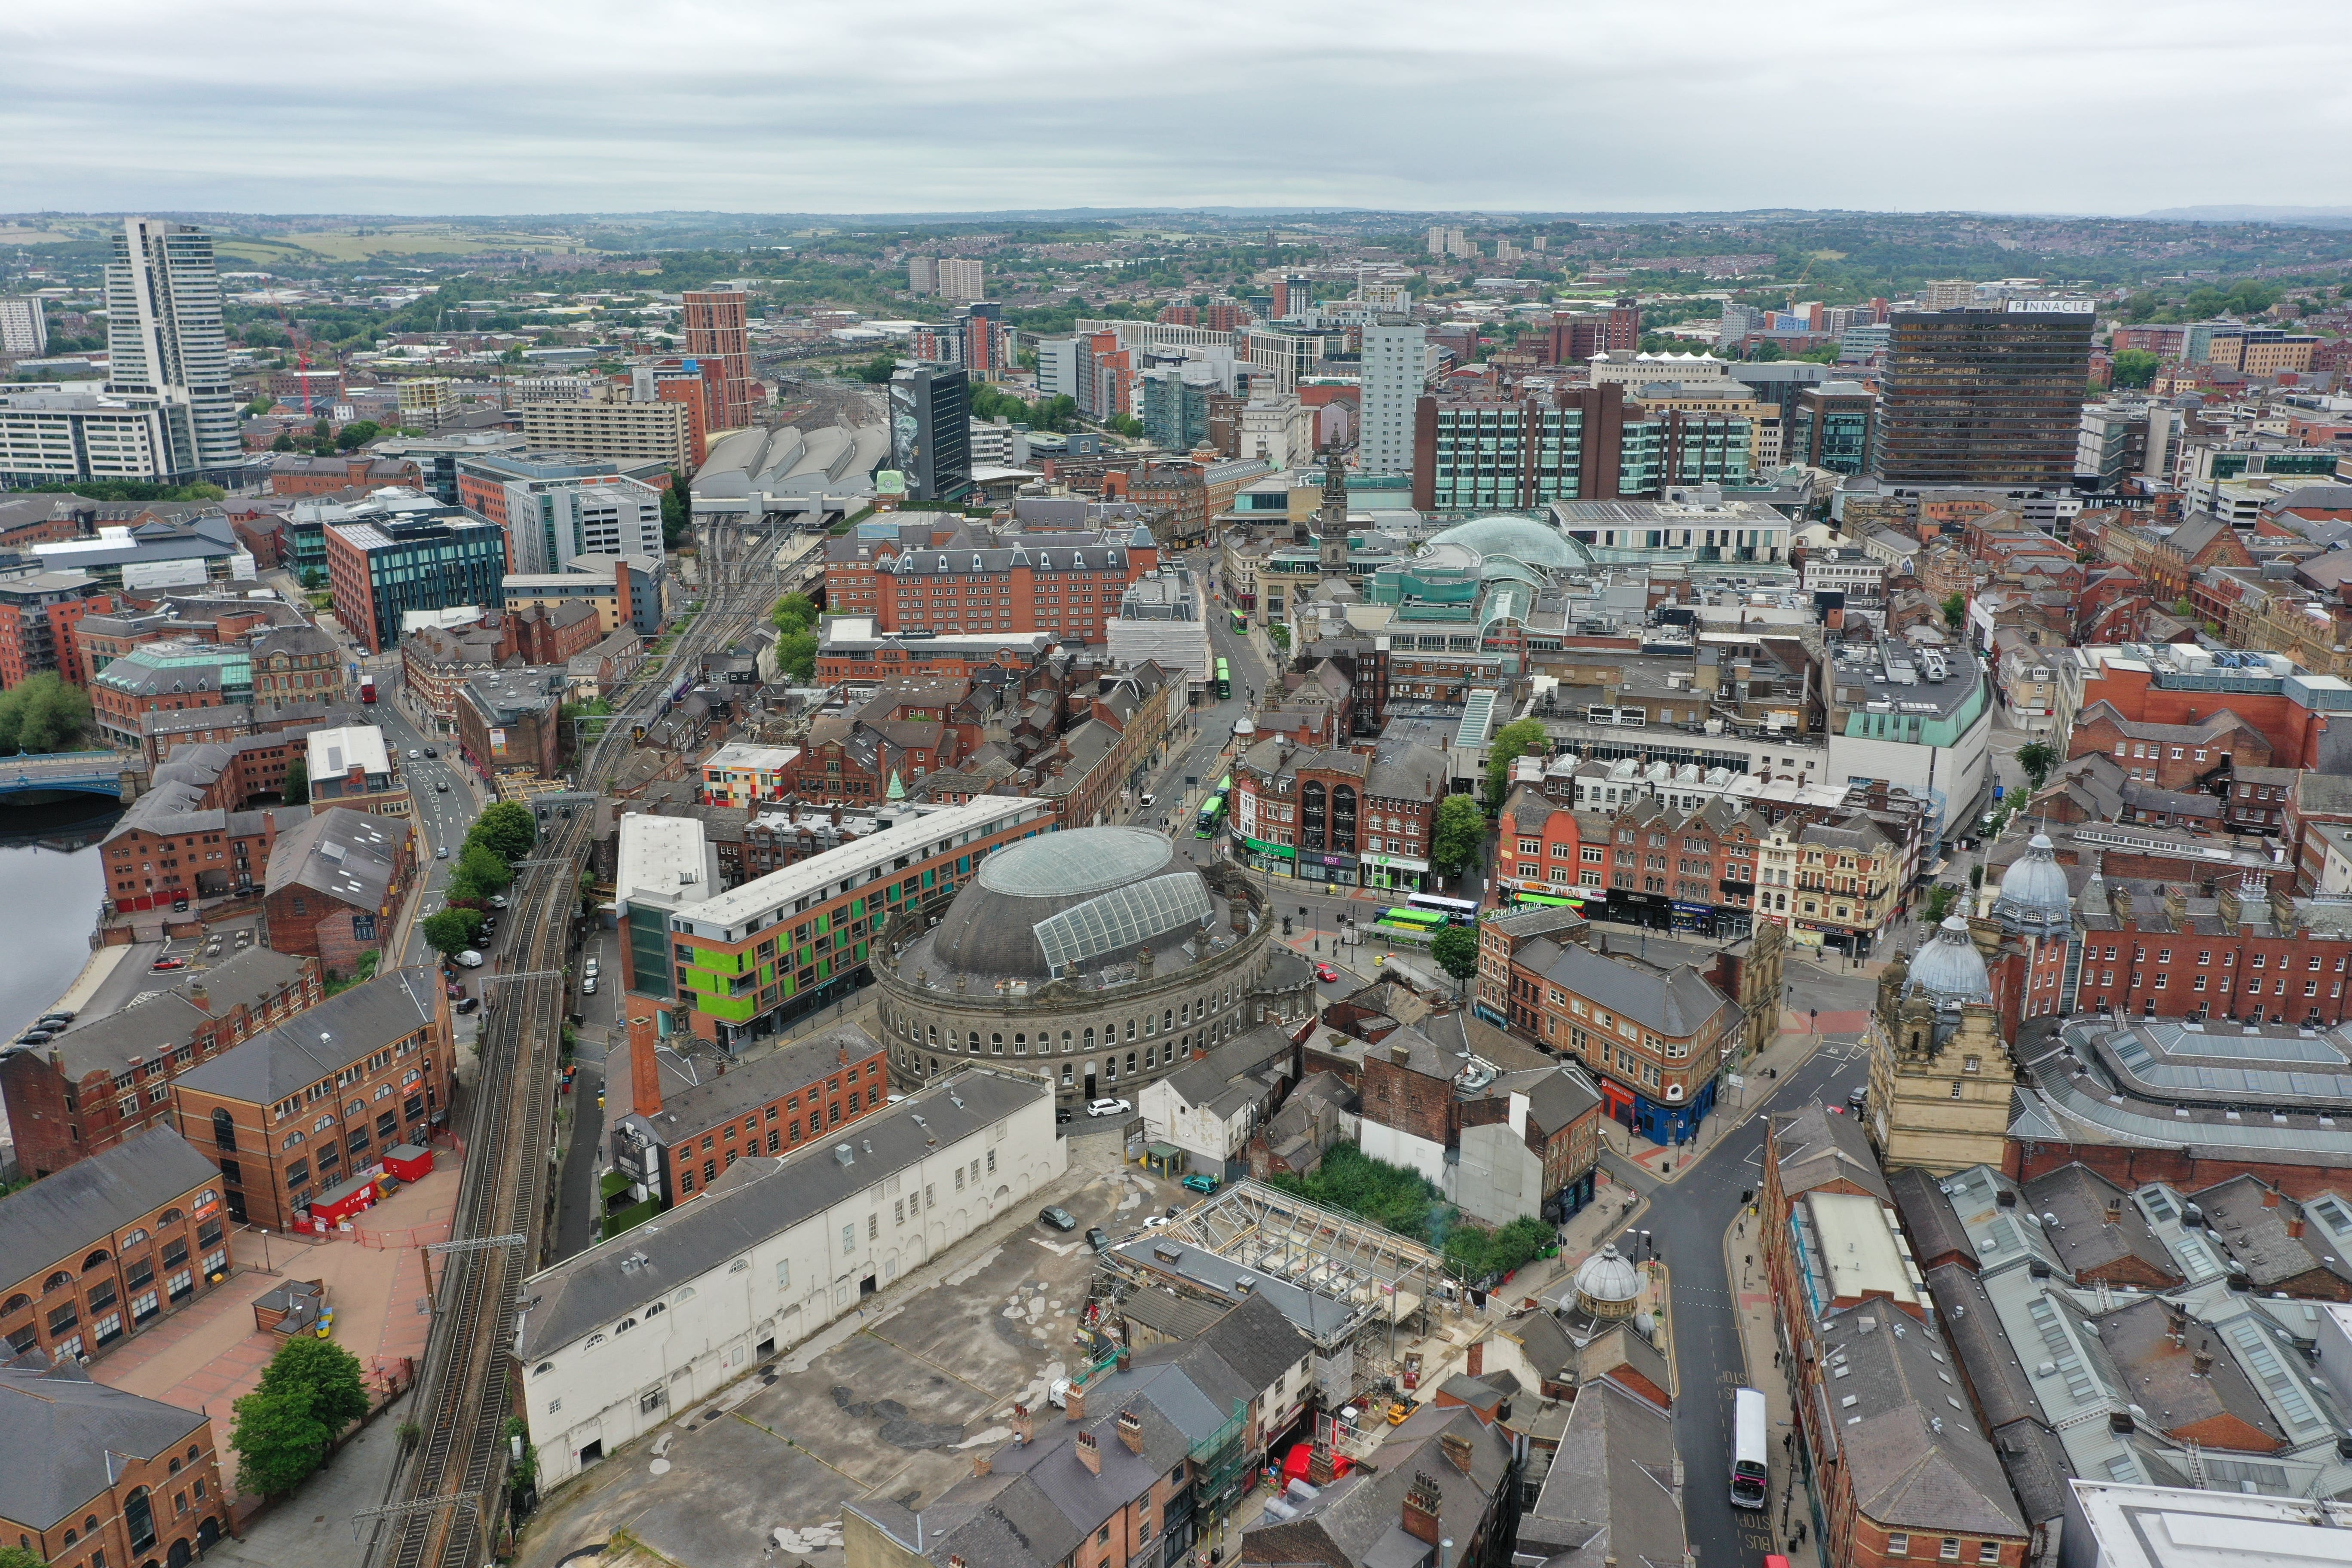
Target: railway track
444, 1500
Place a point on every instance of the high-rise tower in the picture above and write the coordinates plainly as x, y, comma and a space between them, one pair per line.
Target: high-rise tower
716, 330
165, 339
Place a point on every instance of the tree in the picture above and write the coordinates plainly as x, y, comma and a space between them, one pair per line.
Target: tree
260, 405
876, 371
480, 873
1456, 951
2134, 367
451, 932
1956, 611
1765, 352
794, 613
796, 656
278, 1442
1939, 903
1458, 834
42, 713
358, 434
285, 443
323, 431
327, 1372
2037, 758
507, 829
313, 579
297, 782
678, 512
1511, 742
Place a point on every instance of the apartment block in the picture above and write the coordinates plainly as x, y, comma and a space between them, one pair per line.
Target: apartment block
660, 429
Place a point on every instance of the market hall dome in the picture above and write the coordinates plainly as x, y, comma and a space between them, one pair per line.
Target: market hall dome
1064, 903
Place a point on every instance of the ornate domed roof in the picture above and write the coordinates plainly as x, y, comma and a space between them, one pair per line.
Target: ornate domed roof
1606, 1279
1063, 903
1536, 544
2033, 892
1949, 968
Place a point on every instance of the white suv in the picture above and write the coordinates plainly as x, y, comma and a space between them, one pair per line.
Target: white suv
1108, 1108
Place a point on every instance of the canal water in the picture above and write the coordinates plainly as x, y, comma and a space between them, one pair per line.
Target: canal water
50, 887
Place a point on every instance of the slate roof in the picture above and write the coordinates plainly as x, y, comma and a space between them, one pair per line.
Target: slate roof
59, 1435
1610, 1495
2083, 1238
754, 1199
1813, 1148
347, 855
65, 1215
2257, 1236
2163, 1377
1911, 1446
1165, 1312
317, 1044
1359, 1517
1677, 1003
690, 1107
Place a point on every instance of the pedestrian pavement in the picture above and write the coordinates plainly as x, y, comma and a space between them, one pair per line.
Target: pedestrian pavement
1761, 1348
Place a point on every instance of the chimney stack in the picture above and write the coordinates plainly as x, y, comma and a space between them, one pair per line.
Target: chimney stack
1131, 1431
644, 1068
2295, 1225
2200, 1363
2269, 1197
1075, 1401
982, 1464
199, 998
1420, 1501
1456, 1448
1024, 1424
1322, 1470
1475, 1360
1089, 1455
1125, 1357
2114, 1214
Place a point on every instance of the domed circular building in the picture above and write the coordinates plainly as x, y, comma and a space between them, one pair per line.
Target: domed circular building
2035, 900
1099, 957
1608, 1285
1948, 968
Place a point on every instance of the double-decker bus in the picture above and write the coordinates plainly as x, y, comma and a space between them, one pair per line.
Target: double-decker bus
1748, 1474
1224, 679
1212, 812
1460, 911
1426, 921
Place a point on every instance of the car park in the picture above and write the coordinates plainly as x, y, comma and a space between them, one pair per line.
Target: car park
1057, 1216
1108, 1108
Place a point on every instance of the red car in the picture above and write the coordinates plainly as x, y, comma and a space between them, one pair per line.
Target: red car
1327, 974
163, 963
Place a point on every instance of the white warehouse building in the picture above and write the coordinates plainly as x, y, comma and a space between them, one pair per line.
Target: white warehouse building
612, 1341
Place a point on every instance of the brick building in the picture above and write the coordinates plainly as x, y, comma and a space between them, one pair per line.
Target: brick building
292, 475
512, 721
39, 615
165, 676
296, 664
103, 1476
107, 1248
2186, 757
687, 1118
1065, 584
2246, 953
1466, 1126
110, 1078
334, 887
1361, 816
297, 1115
1654, 1037
435, 661
553, 633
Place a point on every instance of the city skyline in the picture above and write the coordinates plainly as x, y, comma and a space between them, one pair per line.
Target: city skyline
1965, 110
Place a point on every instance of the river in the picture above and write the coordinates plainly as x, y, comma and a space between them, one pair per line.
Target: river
50, 885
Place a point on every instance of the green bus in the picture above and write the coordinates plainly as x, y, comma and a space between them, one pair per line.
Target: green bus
1412, 920
1240, 621
1212, 812
1224, 679
1547, 901
1225, 785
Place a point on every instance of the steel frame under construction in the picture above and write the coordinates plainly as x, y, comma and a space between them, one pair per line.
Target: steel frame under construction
1377, 1275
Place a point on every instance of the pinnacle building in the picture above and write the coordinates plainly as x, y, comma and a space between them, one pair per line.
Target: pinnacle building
1984, 396
166, 347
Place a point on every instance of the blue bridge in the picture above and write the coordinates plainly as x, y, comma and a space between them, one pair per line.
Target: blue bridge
77, 773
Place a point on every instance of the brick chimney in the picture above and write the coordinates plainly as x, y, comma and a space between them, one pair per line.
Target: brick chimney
198, 997
1089, 1455
2200, 1363
1131, 1431
1475, 1360
1322, 1470
982, 1464
1420, 1500
2295, 1225
644, 1068
268, 832
1457, 1450
1024, 1424
1075, 1401
1125, 1357
2269, 1197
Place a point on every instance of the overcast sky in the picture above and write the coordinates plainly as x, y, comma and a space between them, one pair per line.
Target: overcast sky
524, 106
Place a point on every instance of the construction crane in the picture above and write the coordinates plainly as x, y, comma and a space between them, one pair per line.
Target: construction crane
1799, 286
301, 356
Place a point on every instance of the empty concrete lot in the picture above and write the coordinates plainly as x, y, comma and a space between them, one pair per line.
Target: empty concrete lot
893, 1404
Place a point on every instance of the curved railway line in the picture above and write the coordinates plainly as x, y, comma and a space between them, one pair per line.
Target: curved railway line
444, 1497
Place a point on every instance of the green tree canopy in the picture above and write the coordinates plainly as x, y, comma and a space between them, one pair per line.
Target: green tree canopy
357, 434
796, 656
2134, 367
1475, 1254
1458, 834
480, 873
1352, 1179
1956, 611
298, 782
507, 830
452, 931
678, 512
1456, 951
878, 370
325, 1372
42, 712
795, 612
277, 1440
1512, 741
2037, 758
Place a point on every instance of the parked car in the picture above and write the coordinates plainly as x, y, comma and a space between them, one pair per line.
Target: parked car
1108, 1108
590, 967
442, 853
1858, 1097
162, 963
1198, 1183
34, 1037
471, 959
245, 938
468, 1003
1154, 1221
1096, 1239
1059, 1218
498, 901
588, 986
1327, 974
58, 1019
